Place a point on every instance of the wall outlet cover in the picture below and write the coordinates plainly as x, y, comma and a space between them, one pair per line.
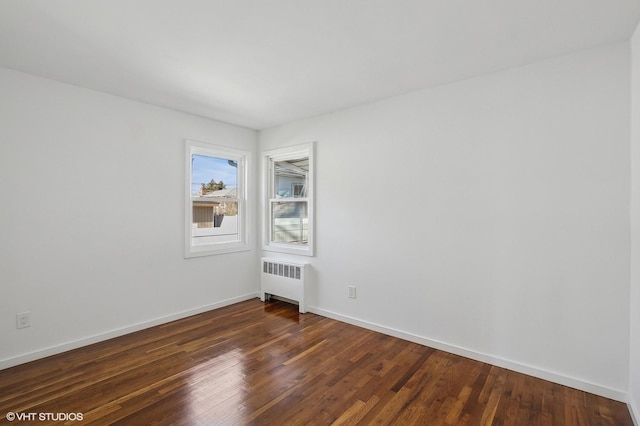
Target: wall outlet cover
352, 291
23, 320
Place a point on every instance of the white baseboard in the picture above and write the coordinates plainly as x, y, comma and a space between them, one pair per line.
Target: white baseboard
582, 385
633, 409
53, 350
606, 392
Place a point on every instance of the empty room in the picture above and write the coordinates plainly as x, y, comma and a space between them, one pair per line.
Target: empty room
296, 212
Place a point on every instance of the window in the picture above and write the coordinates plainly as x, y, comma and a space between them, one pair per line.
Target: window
216, 199
289, 200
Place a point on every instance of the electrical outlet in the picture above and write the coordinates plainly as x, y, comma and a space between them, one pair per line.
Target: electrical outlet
23, 320
352, 291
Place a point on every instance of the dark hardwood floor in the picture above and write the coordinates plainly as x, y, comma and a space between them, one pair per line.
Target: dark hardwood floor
255, 363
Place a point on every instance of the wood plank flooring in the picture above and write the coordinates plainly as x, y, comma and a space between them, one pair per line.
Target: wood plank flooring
265, 364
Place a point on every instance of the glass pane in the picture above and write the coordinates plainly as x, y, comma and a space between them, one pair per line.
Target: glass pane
290, 178
214, 200
290, 222
215, 223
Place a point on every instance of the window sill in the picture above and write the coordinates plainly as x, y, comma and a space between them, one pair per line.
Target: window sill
213, 252
289, 249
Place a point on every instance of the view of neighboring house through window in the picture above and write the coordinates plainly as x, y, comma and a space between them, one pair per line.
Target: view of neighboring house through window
216, 200
289, 204
290, 216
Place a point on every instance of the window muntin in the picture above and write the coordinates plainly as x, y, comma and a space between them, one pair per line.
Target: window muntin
216, 200
289, 200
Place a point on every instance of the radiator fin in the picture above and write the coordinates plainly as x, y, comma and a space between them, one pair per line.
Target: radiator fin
281, 269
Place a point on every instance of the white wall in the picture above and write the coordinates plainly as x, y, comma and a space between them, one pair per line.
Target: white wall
513, 190
634, 376
91, 223
513, 246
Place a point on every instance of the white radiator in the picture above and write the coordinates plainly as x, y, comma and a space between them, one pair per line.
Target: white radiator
285, 279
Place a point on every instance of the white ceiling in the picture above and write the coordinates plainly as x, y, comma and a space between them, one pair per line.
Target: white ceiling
260, 63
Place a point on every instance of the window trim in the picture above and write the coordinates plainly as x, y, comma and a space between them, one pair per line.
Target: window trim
268, 159
244, 208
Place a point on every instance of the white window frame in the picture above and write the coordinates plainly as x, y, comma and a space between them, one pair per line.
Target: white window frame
268, 191
243, 159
